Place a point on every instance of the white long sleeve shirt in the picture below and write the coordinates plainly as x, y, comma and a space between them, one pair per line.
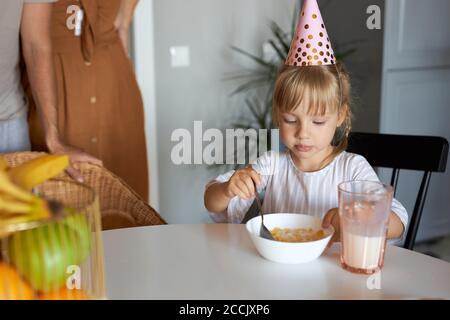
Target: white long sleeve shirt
290, 190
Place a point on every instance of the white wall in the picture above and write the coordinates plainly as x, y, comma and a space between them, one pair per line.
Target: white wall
143, 53
199, 92
176, 97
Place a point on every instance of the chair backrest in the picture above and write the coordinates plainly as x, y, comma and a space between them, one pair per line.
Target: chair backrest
120, 205
421, 153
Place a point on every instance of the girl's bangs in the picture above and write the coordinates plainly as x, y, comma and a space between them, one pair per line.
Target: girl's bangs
315, 91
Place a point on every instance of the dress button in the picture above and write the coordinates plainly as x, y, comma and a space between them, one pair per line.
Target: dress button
93, 100
94, 140
87, 63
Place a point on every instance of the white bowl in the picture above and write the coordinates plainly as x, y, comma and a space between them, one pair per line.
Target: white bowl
288, 252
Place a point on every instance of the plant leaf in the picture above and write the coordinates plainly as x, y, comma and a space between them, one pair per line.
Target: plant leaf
294, 18
253, 108
250, 85
253, 57
242, 125
246, 74
277, 50
343, 55
281, 37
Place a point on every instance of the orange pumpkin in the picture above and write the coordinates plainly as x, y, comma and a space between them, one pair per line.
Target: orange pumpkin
65, 294
12, 286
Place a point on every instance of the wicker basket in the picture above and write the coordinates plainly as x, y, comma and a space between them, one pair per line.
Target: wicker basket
120, 206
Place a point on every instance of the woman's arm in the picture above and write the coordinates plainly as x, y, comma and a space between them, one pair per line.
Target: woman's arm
123, 20
37, 51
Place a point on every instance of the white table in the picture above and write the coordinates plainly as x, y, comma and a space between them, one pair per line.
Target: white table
218, 261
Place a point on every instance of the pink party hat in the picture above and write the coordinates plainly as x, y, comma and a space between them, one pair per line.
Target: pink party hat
310, 45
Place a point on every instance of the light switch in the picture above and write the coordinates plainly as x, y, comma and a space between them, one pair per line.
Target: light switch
179, 57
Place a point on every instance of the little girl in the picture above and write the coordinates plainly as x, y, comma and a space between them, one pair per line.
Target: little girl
311, 106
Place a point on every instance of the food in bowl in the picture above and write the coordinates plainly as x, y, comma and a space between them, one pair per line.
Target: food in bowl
297, 234
289, 252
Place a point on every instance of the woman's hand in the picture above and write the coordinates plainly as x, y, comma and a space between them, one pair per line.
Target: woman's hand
332, 218
122, 30
123, 21
76, 155
242, 184
123, 36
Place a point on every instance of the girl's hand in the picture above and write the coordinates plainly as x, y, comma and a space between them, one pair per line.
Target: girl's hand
242, 184
332, 218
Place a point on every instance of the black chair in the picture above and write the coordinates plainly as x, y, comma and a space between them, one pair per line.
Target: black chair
401, 152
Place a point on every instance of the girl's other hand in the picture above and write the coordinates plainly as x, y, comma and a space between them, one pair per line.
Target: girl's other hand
332, 218
242, 184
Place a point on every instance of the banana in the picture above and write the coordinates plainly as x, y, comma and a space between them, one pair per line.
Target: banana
7, 187
39, 209
17, 203
14, 212
13, 207
3, 164
36, 171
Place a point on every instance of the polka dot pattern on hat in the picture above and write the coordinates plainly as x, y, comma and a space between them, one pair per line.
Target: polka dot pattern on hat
311, 44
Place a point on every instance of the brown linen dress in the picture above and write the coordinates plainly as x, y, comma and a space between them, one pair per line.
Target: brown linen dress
100, 108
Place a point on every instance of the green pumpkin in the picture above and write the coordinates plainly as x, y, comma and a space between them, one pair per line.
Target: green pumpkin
79, 225
42, 255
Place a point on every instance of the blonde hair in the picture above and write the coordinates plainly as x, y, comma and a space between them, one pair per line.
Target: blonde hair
320, 88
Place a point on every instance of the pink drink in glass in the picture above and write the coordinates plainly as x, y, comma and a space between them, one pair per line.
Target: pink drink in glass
364, 208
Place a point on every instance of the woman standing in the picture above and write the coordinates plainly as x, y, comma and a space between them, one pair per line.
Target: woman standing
100, 108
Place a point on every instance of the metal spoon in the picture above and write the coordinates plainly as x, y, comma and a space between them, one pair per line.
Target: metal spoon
263, 232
